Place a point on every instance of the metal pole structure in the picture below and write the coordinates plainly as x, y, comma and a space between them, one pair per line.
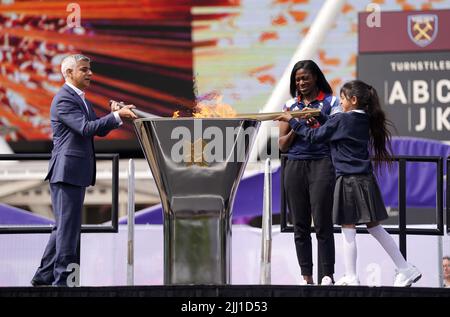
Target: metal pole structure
440, 257
131, 207
306, 50
440, 207
402, 205
266, 243
78, 273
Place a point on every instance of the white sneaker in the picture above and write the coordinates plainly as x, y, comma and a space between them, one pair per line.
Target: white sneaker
348, 280
405, 277
326, 280
303, 282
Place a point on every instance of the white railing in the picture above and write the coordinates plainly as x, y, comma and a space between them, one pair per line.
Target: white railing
131, 210
266, 243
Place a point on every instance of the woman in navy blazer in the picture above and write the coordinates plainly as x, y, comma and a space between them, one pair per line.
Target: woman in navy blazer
309, 173
72, 166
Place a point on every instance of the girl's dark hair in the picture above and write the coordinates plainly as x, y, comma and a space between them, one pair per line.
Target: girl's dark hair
380, 136
312, 67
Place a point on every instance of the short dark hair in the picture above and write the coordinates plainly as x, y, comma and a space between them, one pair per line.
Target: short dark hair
312, 67
446, 258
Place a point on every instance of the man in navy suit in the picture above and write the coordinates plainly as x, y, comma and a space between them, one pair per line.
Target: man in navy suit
72, 165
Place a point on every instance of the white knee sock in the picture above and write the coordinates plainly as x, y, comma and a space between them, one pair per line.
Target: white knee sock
349, 246
388, 244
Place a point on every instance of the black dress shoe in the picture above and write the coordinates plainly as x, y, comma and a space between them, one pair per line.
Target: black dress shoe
37, 283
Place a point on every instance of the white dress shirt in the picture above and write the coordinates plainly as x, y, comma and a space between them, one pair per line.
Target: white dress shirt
81, 94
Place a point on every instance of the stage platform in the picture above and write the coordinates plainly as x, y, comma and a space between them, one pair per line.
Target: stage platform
225, 291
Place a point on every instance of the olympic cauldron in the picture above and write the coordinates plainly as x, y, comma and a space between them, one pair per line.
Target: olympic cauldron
197, 164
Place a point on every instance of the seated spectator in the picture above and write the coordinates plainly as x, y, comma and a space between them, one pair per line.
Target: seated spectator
446, 270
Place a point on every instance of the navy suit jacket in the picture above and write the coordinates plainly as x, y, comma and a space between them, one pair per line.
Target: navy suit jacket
74, 128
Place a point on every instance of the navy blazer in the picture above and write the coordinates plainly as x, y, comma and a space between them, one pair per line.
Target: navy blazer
74, 128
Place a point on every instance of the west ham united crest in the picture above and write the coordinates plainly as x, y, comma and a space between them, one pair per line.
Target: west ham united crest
422, 28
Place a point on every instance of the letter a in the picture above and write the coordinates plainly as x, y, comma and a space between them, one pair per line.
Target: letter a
73, 279
74, 19
374, 18
397, 93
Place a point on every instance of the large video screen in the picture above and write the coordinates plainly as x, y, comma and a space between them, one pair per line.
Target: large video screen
141, 53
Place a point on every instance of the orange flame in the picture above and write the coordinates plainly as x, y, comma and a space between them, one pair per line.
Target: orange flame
214, 111
176, 114
211, 109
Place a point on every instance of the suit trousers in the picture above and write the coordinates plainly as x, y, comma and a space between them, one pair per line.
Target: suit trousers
309, 186
61, 249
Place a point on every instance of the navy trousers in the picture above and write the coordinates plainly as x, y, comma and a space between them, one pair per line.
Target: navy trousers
61, 249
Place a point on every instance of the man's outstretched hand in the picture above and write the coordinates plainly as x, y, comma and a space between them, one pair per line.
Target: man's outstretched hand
124, 111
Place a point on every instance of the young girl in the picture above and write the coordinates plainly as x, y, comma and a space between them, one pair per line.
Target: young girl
357, 198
